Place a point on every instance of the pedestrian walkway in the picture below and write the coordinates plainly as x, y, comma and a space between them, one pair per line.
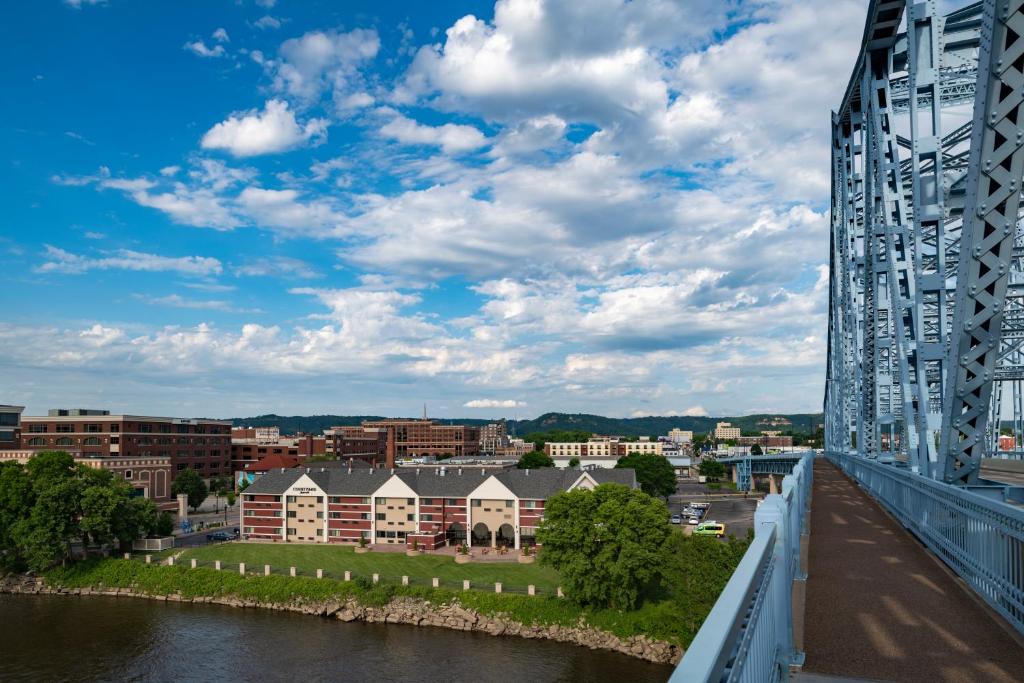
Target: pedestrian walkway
881, 608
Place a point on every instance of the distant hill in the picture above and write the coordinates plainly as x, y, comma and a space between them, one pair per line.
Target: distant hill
804, 423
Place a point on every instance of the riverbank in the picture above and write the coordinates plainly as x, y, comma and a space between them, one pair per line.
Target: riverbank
631, 633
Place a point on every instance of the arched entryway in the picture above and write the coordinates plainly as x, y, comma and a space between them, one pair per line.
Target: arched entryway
481, 534
506, 536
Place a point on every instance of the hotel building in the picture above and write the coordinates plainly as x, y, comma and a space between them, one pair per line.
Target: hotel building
431, 507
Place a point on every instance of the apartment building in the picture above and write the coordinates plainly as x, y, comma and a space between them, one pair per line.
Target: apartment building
199, 444
724, 431
766, 441
493, 437
245, 450
431, 507
680, 436
603, 447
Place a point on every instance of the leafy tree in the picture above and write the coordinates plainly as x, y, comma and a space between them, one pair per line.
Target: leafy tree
756, 449
535, 460
191, 484
712, 469
16, 500
243, 485
605, 543
165, 524
697, 569
654, 473
218, 485
230, 497
320, 458
574, 462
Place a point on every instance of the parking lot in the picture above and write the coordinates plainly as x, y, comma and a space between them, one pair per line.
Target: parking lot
735, 512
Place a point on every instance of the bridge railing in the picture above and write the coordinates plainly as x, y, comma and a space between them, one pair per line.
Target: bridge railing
981, 539
748, 636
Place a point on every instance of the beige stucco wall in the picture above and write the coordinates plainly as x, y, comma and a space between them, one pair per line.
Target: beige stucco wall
395, 518
305, 521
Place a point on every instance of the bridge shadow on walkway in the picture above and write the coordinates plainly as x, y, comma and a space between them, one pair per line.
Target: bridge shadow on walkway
879, 607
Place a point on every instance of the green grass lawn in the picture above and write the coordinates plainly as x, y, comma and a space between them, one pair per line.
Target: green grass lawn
336, 560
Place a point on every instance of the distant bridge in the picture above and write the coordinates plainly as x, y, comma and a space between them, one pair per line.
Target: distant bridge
851, 570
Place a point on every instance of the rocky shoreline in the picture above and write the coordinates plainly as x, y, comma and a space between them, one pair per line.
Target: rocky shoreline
400, 610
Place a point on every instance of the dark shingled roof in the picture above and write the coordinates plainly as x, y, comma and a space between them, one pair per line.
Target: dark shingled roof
430, 483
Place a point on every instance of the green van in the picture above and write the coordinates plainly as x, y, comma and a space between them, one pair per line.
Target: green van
710, 529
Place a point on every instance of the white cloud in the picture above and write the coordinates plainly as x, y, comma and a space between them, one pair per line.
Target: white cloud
198, 47
493, 403
61, 261
450, 137
273, 130
284, 210
279, 266
266, 4
221, 36
178, 301
78, 4
169, 171
267, 22
323, 61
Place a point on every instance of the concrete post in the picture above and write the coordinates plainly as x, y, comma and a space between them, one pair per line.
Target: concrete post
560, 593
182, 507
530, 590
216, 565
376, 578
149, 559
195, 563
127, 556
266, 570
348, 576
319, 573
241, 568
497, 587
772, 486
736, 475
405, 580
494, 539
170, 561
465, 584
435, 582
291, 571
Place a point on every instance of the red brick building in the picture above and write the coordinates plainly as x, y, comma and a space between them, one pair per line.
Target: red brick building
431, 507
421, 437
199, 444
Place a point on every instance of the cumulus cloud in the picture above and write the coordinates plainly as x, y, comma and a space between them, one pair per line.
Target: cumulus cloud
278, 266
221, 36
322, 61
493, 403
199, 48
267, 22
273, 130
450, 137
61, 261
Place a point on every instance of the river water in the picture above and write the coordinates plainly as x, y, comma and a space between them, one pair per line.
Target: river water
55, 638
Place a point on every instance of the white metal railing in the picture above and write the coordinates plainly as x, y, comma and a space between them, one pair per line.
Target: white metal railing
981, 539
748, 636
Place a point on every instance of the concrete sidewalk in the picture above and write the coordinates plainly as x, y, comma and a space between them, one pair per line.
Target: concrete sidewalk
879, 607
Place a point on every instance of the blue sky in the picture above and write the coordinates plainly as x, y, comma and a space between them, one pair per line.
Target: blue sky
232, 207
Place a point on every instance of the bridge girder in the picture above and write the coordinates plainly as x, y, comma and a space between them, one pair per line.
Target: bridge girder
926, 317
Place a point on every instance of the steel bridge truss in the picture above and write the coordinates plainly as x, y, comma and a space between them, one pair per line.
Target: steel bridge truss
926, 311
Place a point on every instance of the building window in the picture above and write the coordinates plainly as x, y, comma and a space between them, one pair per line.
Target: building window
291, 532
426, 518
335, 515
381, 516
115, 440
248, 529
91, 441
530, 504
476, 503
451, 501
93, 428
427, 501
181, 466
509, 503
37, 429
364, 501
291, 499
410, 501
335, 499
64, 427
145, 428
115, 428
64, 441
319, 532
291, 513
319, 515
277, 499
37, 441
410, 518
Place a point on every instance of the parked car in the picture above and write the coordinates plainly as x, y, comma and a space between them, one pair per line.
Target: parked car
221, 536
677, 519
710, 529
693, 520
